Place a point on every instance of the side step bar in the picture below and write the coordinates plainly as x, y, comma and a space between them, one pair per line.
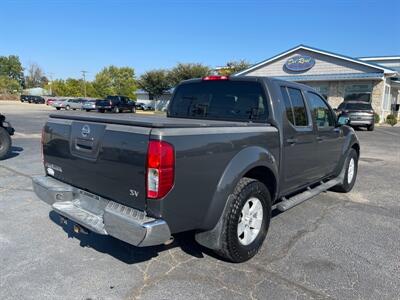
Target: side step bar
309, 193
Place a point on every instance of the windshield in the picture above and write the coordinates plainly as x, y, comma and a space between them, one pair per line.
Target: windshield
358, 106
220, 99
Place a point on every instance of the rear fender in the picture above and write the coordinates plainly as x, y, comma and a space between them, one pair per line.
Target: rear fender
241, 163
350, 141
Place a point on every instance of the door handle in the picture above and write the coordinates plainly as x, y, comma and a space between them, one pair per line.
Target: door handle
292, 141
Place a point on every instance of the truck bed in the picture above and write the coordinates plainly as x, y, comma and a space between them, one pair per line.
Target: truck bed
150, 121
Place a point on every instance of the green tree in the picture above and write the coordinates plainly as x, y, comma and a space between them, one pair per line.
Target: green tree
155, 82
57, 87
187, 71
71, 88
113, 80
11, 67
90, 90
74, 87
9, 85
232, 67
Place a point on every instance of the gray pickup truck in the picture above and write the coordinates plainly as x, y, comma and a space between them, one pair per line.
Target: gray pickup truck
229, 152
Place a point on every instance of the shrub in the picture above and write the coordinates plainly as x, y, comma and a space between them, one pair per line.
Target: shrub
391, 120
376, 118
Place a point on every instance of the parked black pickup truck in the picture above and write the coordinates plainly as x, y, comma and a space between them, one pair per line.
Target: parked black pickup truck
229, 151
6, 131
116, 104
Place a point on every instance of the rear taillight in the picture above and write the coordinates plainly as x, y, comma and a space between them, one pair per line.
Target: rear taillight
160, 169
110, 103
215, 77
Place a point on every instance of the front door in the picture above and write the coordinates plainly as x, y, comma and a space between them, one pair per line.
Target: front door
300, 159
329, 138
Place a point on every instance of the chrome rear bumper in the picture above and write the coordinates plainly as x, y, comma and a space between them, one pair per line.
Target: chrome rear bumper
101, 215
361, 122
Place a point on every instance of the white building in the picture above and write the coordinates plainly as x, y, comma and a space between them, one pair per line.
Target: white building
339, 78
159, 104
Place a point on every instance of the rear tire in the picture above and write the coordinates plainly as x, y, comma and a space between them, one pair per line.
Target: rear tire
351, 165
5, 143
67, 107
58, 108
371, 127
116, 109
88, 110
101, 111
245, 221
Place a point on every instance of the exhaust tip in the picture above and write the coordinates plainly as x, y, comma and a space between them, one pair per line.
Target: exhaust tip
79, 229
169, 241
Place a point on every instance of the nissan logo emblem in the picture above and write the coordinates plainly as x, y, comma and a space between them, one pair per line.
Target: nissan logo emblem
85, 130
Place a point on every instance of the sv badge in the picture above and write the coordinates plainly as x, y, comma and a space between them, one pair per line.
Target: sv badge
133, 193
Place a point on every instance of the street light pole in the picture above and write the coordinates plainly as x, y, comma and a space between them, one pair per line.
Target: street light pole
84, 81
51, 83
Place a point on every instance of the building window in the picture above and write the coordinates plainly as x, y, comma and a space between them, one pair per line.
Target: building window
358, 92
322, 89
386, 99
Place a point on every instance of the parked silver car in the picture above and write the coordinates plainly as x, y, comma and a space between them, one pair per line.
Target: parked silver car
69, 104
359, 112
89, 105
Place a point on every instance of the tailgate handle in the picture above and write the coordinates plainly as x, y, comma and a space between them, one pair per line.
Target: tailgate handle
84, 145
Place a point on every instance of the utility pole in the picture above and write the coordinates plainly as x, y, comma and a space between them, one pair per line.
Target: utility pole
51, 83
84, 81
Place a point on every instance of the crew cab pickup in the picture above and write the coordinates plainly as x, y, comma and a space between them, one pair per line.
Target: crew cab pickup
116, 104
229, 151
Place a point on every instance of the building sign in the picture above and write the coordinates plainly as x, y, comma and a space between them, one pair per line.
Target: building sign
300, 63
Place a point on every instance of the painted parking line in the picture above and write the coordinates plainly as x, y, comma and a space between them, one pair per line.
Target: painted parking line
20, 135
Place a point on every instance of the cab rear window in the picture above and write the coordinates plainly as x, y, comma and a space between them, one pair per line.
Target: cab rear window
220, 100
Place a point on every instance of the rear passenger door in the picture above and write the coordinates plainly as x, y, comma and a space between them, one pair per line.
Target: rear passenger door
300, 159
328, 136
122, 103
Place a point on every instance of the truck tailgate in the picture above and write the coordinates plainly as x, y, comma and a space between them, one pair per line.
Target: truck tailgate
105, 159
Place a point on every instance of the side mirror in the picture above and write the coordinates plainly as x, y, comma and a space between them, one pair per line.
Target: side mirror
343, 120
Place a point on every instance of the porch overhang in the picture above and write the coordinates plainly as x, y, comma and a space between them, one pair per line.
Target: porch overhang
333, 77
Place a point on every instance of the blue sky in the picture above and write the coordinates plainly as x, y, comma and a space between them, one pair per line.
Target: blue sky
65, 37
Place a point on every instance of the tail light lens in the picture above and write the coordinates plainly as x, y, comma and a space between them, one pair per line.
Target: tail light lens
110, 103
160, 169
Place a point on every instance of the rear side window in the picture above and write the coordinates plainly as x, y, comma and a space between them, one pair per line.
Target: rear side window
288, 105
295, 107
299, 108
220, 99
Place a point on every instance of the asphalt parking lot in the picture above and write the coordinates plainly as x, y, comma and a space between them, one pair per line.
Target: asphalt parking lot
335, 246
